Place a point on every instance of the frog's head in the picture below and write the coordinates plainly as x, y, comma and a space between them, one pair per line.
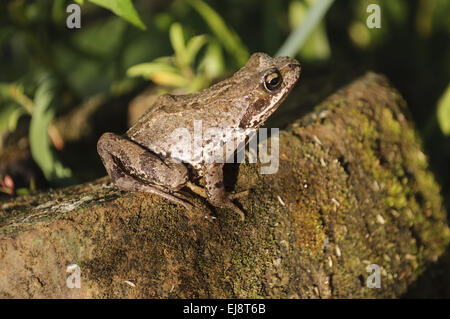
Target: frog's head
266, 82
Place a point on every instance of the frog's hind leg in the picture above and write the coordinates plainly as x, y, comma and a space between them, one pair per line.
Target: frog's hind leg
129, 184
133, 168
215, 189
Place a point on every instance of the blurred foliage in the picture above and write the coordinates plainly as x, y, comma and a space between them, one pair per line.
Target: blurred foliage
443, 112
305, 18
178, 70
123, 8
9, 116
224, 34
317, 46
48, 71
42, 116
14, 103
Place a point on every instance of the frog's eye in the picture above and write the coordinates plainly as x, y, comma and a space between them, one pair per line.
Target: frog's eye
272, 81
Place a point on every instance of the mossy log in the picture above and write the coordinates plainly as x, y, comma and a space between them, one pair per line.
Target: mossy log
353, 189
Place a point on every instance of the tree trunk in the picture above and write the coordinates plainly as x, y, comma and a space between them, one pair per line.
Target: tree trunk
353, 189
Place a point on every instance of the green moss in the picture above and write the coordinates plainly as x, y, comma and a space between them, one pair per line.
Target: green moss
391, 128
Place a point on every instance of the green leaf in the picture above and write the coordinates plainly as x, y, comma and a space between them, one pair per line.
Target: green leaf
22, 191
194, 45
212, 64
170, 79
184, 53
122, 8
177, 41
4, 90
146, 70
164, 59
443, 112
41, 149
9, 116
79, 1
160, 73
230, 40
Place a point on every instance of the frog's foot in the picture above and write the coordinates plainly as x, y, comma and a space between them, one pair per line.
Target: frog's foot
175, 198
201, 191
128, 183
236, 209
239, 194
201, 211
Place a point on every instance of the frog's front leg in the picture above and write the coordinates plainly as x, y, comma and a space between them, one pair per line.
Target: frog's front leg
215, 188
133, 168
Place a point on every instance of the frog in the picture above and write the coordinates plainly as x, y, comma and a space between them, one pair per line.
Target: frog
143, 160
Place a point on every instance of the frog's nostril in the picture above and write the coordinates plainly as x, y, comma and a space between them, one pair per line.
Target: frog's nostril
295, 68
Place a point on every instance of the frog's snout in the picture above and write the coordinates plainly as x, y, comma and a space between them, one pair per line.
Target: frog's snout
288, 66
291, 70
295, 67
293, 64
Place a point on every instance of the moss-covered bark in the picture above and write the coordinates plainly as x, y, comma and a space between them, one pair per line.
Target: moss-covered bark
353, 188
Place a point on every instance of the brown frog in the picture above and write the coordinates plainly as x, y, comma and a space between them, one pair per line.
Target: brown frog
143, 159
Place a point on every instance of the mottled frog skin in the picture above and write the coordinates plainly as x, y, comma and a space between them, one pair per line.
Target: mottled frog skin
142, 159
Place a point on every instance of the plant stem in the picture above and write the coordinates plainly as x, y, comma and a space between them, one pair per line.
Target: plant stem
298, 37
18, 96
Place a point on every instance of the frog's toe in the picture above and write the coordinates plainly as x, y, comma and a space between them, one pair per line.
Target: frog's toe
199, 210
201, 191
240, 194
236, 210
239, 212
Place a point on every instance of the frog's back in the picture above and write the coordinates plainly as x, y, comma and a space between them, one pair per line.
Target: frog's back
223, 105
155, 128
170, 112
